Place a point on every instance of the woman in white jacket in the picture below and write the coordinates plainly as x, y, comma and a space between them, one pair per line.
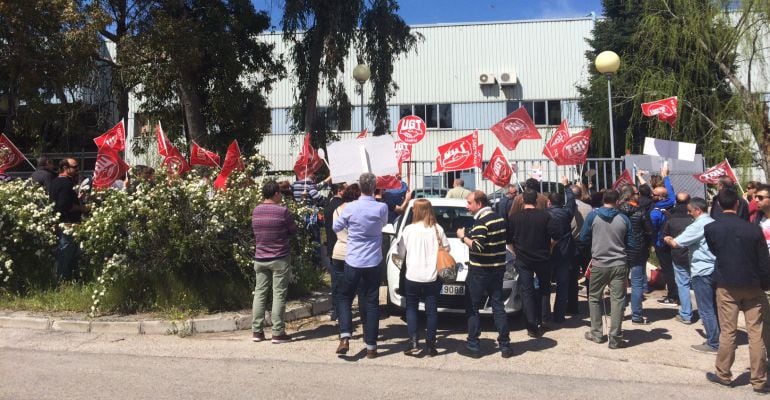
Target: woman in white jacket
418, 247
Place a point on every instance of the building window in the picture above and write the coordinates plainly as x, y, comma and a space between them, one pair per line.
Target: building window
436, 116
331, 120
543, 112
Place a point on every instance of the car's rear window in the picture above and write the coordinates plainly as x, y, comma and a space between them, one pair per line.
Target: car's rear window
450, 218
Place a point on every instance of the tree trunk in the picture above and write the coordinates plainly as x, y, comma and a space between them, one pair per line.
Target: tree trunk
193, 110
314, 68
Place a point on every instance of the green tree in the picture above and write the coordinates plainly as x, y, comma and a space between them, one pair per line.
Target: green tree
662, 55
48, 78
322, 33
198, 64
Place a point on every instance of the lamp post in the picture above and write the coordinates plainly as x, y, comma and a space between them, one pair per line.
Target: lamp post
361, 74
607, 63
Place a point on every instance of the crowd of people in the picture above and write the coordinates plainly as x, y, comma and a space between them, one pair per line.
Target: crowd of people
719, 251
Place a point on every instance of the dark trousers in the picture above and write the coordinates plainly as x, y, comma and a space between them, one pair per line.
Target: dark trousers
536, 301
427, 292
337, 273
483, 282
368, 281
667, 267
562, 274
67, 254
579, 265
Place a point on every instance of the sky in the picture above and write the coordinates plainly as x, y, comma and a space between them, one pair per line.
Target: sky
417, 12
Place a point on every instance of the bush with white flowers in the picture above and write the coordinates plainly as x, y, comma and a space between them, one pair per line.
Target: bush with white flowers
173, 242
27, 237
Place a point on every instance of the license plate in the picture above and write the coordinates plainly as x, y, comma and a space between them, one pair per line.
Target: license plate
453, 290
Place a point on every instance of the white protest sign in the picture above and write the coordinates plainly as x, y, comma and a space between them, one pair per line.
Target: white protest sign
348, 159
669, 149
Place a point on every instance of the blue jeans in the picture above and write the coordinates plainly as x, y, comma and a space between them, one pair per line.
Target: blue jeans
682, 275
428, 292
705, 298
337, 273
367, 282
67, 255
535, 301
481, 282
638, 286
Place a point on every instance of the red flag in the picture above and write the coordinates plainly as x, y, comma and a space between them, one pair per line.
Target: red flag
624, 179
173, 160
109, 167
575, 150
115, 138
201, 156
553, 147
388, 182
309, 161
463, 153
363, 133
233, 162
712, 175
10, 156
498, 170
515, 127
664, 109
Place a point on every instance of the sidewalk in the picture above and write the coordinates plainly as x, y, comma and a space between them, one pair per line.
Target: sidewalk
316, 304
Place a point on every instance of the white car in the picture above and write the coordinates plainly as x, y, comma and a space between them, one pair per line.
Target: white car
450, 214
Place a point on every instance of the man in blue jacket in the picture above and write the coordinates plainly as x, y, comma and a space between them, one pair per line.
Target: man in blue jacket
608, 231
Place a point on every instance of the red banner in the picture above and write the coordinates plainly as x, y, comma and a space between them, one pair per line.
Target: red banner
575, 150
115, 138
712, 175
553, 147
109, 167
624, 179
665, 110
201, 156
233, 162
388, 182
308, 162
173, 160
363, 133
463, 153
10, 156
514, 128
411, 129
498, 170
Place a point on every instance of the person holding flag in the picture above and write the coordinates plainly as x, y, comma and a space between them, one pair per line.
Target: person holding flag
67, 205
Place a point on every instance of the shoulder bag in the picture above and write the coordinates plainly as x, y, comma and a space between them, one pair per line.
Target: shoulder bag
446, 266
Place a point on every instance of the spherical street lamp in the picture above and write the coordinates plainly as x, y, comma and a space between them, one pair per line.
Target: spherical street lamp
607, 63
361, 74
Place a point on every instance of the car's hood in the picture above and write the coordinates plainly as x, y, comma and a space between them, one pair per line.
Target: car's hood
459, 251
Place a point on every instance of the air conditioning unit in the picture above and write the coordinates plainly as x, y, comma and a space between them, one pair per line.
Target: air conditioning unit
508, 79
487, 79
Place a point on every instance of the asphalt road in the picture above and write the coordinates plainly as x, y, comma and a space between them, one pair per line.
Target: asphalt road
658, 364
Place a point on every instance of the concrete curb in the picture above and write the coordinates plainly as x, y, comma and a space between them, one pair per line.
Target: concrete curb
318, 303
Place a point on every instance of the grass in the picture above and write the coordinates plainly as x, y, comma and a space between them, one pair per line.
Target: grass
65, 298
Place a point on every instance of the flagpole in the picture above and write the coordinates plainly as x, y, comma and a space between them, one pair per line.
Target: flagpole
19, 152
737, 182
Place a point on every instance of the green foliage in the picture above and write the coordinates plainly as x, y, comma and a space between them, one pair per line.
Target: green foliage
28, 226
667, 48
172, 243
47, 50
328, 29
67, 297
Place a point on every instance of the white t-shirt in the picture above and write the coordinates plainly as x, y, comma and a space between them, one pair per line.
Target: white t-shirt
420, 245
765, 225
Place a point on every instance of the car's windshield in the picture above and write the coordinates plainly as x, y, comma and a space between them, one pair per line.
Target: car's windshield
450, 218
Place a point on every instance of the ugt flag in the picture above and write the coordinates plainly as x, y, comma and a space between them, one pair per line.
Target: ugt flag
308, 161
10, 156
173, 160
664, 109
114, 139
201, 156
233, 162
553, 147
498, 170
463, 153
624, 179
515, 127
712, 175
109, 167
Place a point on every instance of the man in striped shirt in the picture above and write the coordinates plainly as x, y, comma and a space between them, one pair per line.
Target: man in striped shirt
486, 241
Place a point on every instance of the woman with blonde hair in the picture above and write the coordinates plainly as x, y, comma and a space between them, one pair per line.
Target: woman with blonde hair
418, 247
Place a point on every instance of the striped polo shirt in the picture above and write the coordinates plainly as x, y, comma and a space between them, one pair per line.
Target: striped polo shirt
488, 236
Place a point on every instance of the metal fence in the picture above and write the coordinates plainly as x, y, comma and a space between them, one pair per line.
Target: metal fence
86, 161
